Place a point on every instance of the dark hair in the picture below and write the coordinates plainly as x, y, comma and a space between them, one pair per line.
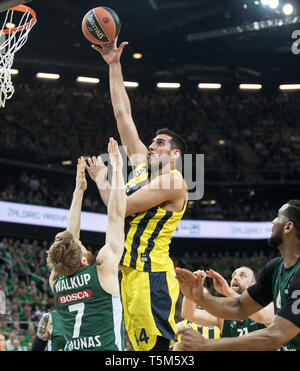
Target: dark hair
177, 142
293, 214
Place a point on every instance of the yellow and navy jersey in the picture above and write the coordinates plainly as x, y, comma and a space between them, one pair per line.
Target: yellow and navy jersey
211, 332
149, 233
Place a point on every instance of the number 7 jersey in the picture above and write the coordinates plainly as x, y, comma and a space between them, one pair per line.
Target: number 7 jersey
92, 319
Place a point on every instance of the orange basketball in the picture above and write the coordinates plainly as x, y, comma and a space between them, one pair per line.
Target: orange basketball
101, 25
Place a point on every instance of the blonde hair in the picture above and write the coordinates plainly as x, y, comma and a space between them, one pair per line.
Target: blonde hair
65, 254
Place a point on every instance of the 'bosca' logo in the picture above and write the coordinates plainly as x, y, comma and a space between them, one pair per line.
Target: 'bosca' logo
75, 296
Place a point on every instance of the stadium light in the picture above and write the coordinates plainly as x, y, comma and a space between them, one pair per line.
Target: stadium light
131, 84
287, 9
12, 71
264, 2
289, 87
51, 76
89, 80
137, 55
66, 162
273, 4
206, 85
10, 25
250, 86
168, 85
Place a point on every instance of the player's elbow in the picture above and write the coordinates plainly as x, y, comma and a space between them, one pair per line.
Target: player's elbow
122, 113
273, 340
117, 218
184, 314
276, 336
116, 212
188, 315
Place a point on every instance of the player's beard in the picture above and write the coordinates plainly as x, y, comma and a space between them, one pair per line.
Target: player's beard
156, 163
238, 289
276, 239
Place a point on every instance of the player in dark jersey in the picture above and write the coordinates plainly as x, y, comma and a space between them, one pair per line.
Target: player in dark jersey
279, 282
87, 297
242, 278
49, 334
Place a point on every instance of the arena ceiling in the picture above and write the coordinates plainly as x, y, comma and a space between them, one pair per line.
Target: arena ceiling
191, 40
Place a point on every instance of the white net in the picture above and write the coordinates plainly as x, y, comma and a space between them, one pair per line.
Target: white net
11, 40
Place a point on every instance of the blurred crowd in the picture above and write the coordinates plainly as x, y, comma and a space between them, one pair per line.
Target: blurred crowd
244, 137
24, 280
49, 123
30, 188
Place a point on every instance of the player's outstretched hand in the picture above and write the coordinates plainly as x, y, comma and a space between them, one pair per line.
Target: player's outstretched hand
116, 159
96, 168
190, 339
81, 182
220, 284
191, 284
111, 53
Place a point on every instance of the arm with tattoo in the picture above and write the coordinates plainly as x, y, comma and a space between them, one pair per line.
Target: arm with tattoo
45, 327
43, 333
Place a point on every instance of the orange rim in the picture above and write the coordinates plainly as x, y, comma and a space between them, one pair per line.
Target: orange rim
24, 9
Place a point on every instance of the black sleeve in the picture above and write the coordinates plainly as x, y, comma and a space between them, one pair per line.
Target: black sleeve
291, 310
262, 291
38, 344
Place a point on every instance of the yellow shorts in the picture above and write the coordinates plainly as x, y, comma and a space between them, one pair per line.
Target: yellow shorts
149, 300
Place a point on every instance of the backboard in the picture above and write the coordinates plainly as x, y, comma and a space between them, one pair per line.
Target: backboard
7, 4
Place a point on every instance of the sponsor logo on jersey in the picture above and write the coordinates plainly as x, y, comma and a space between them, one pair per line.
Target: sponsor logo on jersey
144, 257
75, 296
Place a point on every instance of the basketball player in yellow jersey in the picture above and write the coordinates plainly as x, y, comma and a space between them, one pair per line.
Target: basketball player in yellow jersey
156, 201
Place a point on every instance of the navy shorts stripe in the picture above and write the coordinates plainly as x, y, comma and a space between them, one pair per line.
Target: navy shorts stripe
161, 303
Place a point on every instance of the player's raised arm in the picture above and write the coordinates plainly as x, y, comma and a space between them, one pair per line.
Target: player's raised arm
75, 209
117, 201
110, 255
121, 104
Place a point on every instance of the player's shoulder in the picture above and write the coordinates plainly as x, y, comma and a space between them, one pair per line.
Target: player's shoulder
174, 179
270, 267
297, 271
274, 262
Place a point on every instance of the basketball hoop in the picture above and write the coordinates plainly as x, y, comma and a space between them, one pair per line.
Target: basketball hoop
11, 40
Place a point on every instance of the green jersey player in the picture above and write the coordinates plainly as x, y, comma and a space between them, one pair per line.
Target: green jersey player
242, 278
278, 282
87, 297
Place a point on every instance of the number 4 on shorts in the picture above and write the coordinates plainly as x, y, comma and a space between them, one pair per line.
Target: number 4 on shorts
143, 337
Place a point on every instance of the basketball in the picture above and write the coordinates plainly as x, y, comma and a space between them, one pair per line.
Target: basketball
101, 25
